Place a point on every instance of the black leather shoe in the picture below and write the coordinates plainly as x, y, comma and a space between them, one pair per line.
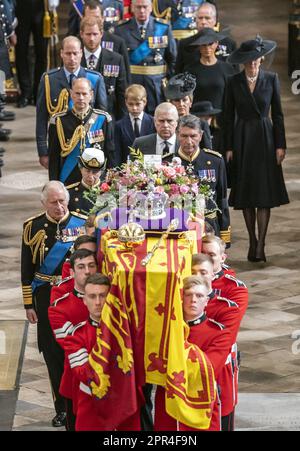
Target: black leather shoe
7, 115
59, 420
3, 135
23, 102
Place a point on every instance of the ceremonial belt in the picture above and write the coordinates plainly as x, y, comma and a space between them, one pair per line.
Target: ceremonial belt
182, 34
149, 70
212, 215
45, 278
71, 160
56, 255
143, 50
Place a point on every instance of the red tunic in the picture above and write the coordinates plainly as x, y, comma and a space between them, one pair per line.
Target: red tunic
78, 348
64, 314
63, 287
234, 289
214, 340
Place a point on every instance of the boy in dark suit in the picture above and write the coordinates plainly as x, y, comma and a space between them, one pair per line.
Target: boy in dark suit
134, 124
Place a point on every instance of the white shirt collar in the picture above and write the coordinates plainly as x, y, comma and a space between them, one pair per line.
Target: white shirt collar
171, 141
140, 117
145, 25
87, 53
67, 73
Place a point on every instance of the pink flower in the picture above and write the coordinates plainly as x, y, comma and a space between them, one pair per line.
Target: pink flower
184, 189
169, 172
179, 170
174, 189
105, 187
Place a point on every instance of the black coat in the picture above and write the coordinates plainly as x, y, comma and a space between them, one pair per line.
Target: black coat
257, 180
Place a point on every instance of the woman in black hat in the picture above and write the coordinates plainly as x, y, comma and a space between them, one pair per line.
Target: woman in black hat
211, 74
254, 142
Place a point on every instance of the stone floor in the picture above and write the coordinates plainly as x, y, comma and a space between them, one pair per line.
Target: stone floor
270, 373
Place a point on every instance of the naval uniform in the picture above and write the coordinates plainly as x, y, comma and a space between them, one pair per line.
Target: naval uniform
209, 166
152, 55
214, 340
78, 202
69, 134
45, 245
53, 98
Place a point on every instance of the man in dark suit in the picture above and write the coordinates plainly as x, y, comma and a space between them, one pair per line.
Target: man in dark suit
164, 142
109, 64
152, 50
109, 41
206, 17
53, 93
134, 124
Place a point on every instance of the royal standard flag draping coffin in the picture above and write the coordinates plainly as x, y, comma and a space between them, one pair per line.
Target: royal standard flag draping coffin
182, 368
143, 317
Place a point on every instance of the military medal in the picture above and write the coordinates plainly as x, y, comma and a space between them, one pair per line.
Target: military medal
72, 234
158, 57
95, 136
111, 14
110, 70
158, 42
190, 169
108, 45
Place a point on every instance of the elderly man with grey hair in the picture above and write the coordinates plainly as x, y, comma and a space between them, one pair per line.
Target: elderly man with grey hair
46, 242
205, 17
209, 166
164, 141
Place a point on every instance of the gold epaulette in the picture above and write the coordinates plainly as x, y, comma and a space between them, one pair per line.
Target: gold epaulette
79, 215
33, 217
73, 185
213, 152
108, 116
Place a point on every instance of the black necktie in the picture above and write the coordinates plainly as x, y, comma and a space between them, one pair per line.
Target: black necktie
71, 78
136, 127
166, 149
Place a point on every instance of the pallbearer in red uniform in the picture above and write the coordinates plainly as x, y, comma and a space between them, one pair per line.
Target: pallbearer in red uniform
66, 285
228, 287
79, 346
210, 336
65, 313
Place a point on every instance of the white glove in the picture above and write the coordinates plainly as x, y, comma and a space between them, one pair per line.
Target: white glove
53, 4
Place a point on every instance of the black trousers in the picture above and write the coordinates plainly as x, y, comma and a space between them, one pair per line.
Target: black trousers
228, 422
30, 15
52, 352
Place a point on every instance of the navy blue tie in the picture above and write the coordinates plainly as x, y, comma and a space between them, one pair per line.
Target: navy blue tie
71, 78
